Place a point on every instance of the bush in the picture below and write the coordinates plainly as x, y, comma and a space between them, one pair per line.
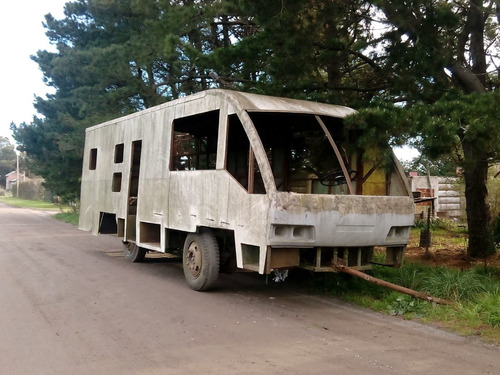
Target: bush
34, 190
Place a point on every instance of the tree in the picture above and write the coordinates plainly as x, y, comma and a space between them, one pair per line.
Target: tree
444, 166
115, 58
310, 49
436, 47
8, 159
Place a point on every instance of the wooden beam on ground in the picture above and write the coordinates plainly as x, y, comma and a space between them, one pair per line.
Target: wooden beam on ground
386, 284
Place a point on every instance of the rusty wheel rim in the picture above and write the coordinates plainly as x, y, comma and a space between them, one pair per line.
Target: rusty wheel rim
194, 259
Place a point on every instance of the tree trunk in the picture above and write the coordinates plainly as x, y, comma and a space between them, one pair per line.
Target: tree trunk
472, 79
478, 211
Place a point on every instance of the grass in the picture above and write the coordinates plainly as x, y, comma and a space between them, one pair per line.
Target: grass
66, 213
67, 217
20, 202
475, 293
476, 296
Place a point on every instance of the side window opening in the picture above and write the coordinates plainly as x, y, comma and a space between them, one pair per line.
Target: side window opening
93, 159
194, 142
240, 160
116, 185
119, 153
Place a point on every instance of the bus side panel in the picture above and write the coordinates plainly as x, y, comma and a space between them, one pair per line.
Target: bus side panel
214, 199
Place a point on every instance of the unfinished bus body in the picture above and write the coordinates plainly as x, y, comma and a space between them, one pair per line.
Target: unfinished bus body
243, 181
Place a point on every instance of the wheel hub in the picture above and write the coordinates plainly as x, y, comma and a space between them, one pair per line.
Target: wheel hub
194, 259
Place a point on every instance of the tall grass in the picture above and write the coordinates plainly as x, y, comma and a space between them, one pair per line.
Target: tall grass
476, 294
454, 284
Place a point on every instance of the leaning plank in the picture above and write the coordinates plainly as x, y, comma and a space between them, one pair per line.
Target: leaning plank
386, 284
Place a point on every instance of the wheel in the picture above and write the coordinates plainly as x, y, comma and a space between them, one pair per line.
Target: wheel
201, 260
133, 253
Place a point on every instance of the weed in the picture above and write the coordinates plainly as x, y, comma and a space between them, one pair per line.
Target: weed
454, 284
437, 223
403, 305
470, 314
411, 275
490, 308
67, 217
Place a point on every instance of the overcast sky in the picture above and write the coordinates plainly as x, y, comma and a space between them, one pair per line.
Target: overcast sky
22, 34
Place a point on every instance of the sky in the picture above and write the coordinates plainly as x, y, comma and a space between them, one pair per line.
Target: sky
22, 35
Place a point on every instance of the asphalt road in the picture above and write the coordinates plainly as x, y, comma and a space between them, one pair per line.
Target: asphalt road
70, 304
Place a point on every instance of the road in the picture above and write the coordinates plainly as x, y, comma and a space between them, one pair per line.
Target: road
70, 304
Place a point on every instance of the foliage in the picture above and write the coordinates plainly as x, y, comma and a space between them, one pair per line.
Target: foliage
411, 276
33, 190
7, 159
314, 50
67, 217
403, 305
21, 202
490, 308
444, 166
454, 285
476, 292
457, 118
437, 223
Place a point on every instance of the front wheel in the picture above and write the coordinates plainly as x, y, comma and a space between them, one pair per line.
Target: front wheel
133, 253
201, 260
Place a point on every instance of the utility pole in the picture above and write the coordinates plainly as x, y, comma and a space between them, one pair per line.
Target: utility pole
17, 177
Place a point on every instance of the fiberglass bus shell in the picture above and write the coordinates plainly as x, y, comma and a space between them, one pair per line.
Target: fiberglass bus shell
275, 182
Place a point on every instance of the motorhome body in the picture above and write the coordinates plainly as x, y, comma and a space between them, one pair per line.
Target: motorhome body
257, 182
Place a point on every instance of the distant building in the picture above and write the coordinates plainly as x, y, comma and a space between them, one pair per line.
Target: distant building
448, 193
12, 178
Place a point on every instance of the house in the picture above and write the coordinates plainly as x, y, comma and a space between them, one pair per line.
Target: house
11, 179
447, 192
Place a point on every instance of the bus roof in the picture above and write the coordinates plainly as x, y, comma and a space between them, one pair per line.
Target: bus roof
251, 103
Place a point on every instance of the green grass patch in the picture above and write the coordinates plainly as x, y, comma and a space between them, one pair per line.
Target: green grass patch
19, 202
67, 217
475, 292
66, 214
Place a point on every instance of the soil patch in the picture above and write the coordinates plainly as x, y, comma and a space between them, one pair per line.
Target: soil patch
447, 249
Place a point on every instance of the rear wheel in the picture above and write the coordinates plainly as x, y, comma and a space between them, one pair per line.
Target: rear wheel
133, 253
201, 260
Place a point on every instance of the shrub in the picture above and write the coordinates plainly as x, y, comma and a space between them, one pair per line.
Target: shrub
33, 190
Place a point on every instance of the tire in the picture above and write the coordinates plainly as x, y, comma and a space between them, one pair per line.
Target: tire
201, 260
133, 253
